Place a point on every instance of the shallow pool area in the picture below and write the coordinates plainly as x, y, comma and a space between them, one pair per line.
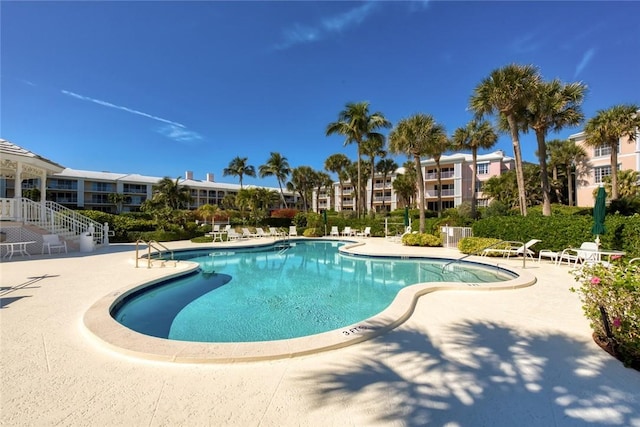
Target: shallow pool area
282, 291
102, 326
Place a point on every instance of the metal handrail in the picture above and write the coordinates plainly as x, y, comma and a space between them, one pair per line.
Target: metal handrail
151, 244
479, 251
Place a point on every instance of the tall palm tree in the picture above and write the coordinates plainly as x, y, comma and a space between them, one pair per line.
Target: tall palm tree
278, 166
238, 167
356, 124
406, 183
171, 194
477, 134
506, 92
372, 148
627, 184
607, 128
338, 163
566, 154
385, 167
320, 180
414, 136
553, 106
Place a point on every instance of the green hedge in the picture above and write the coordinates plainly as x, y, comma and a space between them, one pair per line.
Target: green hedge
558, 232
421, 239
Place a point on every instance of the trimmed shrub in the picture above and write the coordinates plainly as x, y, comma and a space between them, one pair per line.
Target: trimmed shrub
475, 245
421, 239
313, 232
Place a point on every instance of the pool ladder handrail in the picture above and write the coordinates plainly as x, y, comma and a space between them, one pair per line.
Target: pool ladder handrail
159, 247
479, 251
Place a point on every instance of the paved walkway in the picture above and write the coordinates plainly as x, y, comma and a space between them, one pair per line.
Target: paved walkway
520, 357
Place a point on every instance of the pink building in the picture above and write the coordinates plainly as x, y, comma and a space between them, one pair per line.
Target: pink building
456, 173
589, 177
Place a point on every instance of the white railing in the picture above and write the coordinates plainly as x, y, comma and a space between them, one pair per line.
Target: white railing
451, 236
51, 216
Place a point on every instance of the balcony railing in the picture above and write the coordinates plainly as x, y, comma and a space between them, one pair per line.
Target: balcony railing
443, 175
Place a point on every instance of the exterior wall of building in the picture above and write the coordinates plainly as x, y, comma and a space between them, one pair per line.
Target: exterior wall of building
589, 177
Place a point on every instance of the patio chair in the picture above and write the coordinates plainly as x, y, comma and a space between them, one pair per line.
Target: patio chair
513, 248
365, 233
274, 232
293, 231
334, 231
52, 241
260, 232
587, 252
232, 234
247, 234
347, 231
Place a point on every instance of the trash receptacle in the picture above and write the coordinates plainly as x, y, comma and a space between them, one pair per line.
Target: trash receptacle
86, 242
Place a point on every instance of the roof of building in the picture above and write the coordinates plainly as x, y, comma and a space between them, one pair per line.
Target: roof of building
12, 151
467, 157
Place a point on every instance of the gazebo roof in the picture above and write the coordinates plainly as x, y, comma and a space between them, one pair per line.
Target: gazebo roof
11, 154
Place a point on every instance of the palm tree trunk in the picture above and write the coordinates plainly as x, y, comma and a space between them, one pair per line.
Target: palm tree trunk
420, 192
522, 192
554, 172
373, 171
474, 177
614, 171
569, 185
341, 196
544, 175
439, 174
358, 186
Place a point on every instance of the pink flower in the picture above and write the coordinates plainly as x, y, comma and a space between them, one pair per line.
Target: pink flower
615, 257
617, 322
595, 280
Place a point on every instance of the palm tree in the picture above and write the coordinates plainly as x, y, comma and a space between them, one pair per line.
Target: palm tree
320, 180
338, 163
278, 166
627, 184
209, 210
506, 92
118, 199
385, 167
171, 194
566, 154
553, 106
238, 167
357, 125
406, 183
372, 148
302, 183
477, 134
414, 136
607, 128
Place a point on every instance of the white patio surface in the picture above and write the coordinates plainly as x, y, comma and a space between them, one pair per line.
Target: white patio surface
520, 357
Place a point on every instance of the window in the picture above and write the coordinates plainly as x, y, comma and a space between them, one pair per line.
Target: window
600, 172
483, 168
102, 186
479, 185
604, 150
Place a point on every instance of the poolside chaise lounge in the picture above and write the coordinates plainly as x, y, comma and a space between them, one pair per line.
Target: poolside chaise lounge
587, 252
293, 231
365, 233
347, 231
334, 231
52, 241
513, 248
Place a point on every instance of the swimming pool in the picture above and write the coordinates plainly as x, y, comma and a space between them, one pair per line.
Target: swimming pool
282, 291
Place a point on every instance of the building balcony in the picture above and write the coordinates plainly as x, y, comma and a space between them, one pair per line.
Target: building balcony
443, 175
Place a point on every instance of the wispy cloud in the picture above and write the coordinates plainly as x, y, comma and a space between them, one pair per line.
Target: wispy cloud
526, 44
174, 130
302, 34
179, 134
586, 58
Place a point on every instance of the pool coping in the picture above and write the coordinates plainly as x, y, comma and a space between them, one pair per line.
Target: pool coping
98, 321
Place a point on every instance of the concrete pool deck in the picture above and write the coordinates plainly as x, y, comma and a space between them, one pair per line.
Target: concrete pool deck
517, 357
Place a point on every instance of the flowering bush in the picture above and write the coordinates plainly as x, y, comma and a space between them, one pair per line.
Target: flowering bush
611, 302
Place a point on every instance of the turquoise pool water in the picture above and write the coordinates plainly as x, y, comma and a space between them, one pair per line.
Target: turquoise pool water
280, 292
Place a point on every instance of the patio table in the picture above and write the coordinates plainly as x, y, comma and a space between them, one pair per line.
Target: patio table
16, 247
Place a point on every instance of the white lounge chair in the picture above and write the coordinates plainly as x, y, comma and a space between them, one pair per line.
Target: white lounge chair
260, 232
232, 234
52, 241
248, 234
587, 252
274, 232
347, 231
365, 233
334, 231
513, 248
293, 231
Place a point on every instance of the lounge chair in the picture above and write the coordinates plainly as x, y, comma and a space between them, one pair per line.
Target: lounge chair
293, 231
232, 234
247, 234
334, 231
365, 233
260, 232
347, 231
587, 252
274, 232
52, 241
513, 248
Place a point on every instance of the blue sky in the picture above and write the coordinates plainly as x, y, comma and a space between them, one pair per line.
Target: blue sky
159, 88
